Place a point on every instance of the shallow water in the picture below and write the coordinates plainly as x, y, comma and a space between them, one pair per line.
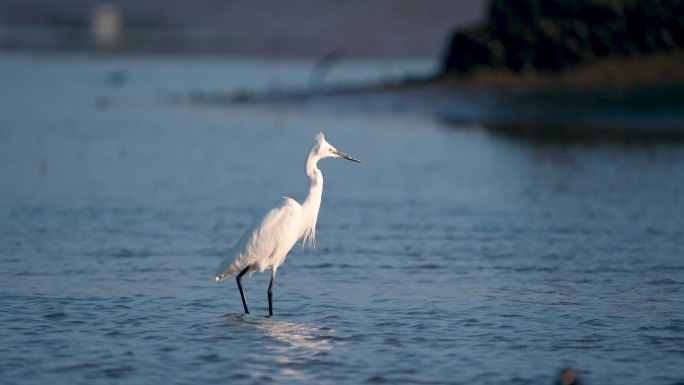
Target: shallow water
451, 255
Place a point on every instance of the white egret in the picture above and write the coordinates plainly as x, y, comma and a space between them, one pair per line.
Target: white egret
265, 244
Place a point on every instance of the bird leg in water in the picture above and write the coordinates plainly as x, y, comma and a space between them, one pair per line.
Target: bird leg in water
270, 293
242, 294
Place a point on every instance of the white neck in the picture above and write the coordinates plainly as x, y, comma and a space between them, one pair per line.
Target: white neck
313, 199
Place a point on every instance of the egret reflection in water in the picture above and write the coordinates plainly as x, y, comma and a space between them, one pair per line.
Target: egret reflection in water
288, 336
289, 350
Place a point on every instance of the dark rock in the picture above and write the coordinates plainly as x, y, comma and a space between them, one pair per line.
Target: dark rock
550, 35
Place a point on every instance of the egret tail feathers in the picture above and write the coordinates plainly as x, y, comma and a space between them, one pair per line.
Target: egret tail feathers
224, 272
222, 276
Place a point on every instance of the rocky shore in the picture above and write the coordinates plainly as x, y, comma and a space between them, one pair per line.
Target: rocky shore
571, 44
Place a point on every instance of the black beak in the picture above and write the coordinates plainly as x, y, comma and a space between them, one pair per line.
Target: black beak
345, 156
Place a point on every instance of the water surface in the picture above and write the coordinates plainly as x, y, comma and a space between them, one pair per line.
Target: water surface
453, 254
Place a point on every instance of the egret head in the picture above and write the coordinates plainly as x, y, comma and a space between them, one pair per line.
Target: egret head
322, 149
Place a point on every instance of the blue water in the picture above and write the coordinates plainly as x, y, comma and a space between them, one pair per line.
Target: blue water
451, 255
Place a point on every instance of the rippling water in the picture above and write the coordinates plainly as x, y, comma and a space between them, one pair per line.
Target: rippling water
451, 255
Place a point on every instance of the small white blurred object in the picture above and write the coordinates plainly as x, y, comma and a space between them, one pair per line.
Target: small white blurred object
106, 26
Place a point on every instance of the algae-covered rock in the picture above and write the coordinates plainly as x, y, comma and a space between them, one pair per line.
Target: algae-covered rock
550, 35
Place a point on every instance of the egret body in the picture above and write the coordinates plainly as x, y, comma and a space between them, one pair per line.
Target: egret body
265, 244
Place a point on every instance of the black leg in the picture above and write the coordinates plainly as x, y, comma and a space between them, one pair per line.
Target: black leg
270, 294
242, 294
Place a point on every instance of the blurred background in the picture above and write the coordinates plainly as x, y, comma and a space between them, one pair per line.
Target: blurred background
517, 218
305, 28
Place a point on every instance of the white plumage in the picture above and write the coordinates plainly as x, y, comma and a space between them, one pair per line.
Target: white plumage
265, 243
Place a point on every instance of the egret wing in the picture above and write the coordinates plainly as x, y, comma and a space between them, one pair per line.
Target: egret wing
273, 234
